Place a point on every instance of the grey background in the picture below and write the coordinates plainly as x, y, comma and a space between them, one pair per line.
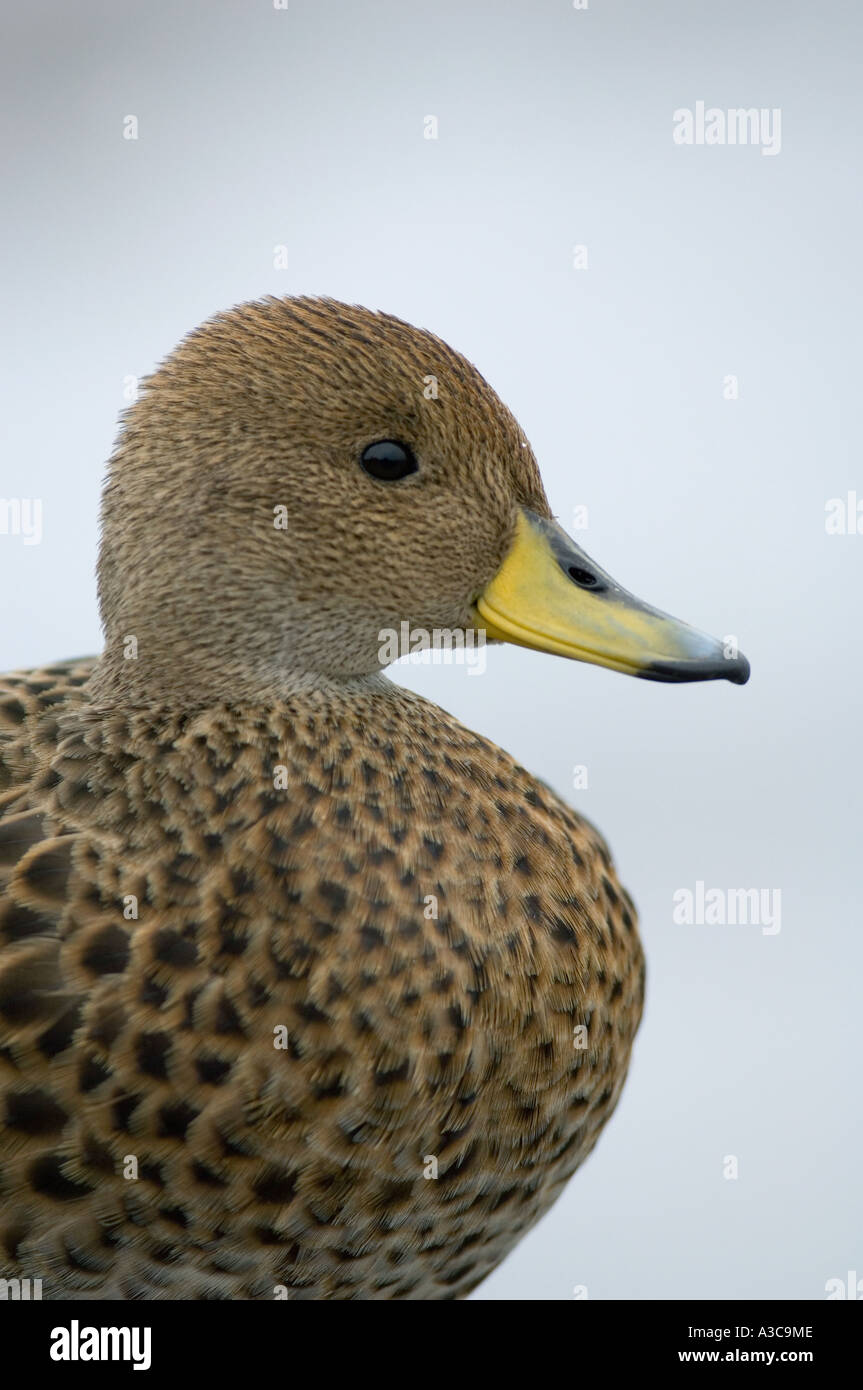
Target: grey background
305, 128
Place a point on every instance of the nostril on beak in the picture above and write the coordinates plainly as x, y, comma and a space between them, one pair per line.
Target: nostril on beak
583, 578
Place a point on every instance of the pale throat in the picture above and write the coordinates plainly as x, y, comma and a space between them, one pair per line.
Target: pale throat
133, 670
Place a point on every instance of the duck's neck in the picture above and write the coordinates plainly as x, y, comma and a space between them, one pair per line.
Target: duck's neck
125, 677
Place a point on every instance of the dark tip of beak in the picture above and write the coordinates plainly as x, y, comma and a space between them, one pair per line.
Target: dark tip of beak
734, 669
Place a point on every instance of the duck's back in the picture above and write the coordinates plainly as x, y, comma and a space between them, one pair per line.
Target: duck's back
329, 1000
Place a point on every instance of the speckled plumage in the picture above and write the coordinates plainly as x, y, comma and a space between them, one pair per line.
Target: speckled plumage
286, 852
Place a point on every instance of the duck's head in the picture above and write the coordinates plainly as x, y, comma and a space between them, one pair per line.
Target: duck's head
301, 477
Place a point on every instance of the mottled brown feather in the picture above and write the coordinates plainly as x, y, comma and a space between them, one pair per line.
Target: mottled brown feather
280, 847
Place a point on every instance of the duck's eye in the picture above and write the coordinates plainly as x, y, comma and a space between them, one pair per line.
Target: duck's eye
388, 460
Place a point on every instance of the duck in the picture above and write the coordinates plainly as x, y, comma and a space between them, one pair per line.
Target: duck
306, 990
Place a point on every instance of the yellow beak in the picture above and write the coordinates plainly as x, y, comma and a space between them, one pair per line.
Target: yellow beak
551, 596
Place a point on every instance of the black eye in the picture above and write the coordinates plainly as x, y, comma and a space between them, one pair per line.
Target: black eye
388, 460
